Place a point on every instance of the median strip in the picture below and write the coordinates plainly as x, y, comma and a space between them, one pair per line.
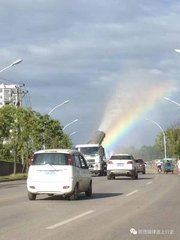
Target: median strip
70, 220
131, 193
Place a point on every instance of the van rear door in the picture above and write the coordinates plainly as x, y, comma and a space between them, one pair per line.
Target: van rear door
50, 172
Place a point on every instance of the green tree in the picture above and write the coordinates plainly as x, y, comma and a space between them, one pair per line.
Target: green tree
172, 135
147, 153
150, 153
23, 131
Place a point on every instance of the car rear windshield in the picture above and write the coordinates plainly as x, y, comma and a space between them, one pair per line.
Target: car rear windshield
50, 158
121, 157
139, 161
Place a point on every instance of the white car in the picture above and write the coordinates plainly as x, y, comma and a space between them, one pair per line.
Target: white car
59, 172
121, 165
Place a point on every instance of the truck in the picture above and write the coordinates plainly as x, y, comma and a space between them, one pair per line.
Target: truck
94, 153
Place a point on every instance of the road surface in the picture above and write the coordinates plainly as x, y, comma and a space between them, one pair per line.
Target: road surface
147, 208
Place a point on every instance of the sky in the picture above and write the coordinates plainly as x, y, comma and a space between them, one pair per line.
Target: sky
113, 59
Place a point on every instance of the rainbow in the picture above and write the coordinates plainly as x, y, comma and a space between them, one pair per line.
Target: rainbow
123, 125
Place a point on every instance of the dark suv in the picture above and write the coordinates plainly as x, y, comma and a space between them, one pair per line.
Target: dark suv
141, 165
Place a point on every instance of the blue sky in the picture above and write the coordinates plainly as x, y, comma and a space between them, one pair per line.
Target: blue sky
85, 50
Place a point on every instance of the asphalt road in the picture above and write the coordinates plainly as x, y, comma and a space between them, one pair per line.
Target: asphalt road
122, 209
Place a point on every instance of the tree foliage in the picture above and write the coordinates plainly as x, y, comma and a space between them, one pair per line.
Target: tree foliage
147, 153
23, 131
172, 136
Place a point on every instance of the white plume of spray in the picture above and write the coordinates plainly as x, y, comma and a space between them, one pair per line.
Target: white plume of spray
133, 90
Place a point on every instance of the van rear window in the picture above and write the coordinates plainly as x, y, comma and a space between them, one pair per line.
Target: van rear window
121, 157
50, 158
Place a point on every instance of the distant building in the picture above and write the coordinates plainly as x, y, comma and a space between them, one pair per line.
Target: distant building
10, 94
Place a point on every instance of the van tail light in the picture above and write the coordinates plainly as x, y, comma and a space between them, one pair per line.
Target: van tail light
110, 162
130, 162
70, 160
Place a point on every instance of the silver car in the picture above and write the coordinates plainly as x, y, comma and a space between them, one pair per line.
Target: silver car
121, 165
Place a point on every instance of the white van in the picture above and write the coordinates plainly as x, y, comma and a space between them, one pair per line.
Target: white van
59, 171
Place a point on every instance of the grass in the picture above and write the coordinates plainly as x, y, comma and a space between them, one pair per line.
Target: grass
18, 176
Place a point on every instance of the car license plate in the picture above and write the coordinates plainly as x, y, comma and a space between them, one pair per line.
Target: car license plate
49, 172
120, 164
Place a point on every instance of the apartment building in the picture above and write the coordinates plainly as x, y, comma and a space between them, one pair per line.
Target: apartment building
10, 94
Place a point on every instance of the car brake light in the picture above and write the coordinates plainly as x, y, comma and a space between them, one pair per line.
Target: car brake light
110, 162
70, 160
130, 162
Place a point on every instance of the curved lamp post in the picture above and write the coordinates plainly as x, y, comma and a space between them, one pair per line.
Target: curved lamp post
44, 145
177, 50
172, 101
69, 124
57, 106
163, 134
72, 133
12, 64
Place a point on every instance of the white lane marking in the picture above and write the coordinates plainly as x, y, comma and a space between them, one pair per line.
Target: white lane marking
149, 183
131, 193
70, 220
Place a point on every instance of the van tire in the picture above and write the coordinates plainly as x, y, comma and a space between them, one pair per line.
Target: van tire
74, 196
111, 177
135, 176
31, 196
108, 177
88, 193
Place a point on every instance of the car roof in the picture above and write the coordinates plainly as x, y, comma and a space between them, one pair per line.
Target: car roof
65, 151
87, 145
121, 154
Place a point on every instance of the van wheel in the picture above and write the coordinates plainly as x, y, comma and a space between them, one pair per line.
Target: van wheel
88, 193
74, 196
31, 196
134, 176
108, 177
111, 177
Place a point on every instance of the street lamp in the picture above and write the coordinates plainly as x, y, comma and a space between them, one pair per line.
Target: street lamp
172, 101
177, 50
44, 145
69, 124
12, 64
72, 133
57, 106
162, 132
